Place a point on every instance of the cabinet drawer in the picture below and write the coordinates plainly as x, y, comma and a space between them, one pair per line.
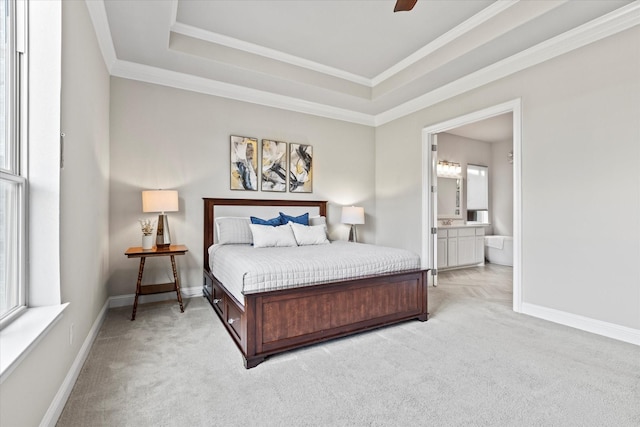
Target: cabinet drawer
480, 231
452, 233
442, 233
234, 319
464, 232
218, 300
207, 287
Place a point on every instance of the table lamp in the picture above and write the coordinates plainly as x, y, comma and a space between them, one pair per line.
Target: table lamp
161, 201
352, 215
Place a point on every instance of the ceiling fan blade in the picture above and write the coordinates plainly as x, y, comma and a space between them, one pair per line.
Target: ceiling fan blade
404, 5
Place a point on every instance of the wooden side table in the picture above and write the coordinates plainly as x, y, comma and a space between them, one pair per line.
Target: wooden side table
143, 254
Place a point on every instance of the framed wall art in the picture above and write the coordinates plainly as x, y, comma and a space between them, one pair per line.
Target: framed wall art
274, 166
300, 168
244, 163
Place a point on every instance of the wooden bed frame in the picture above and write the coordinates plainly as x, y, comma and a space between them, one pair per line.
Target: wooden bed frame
277, 321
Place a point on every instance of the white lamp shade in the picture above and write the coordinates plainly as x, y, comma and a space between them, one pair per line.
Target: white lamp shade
352, 215
159, 201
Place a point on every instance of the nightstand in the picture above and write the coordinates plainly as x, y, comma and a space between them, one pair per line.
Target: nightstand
143, 254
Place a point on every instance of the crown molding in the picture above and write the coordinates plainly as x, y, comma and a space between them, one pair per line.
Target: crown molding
98, 16
476, 20
174, 13
468, 25
619, 20
211, 37
597, 29
159, 76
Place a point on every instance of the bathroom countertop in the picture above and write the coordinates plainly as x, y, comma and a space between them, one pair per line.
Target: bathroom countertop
463, 225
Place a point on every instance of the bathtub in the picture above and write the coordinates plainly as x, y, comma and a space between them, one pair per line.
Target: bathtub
499, 249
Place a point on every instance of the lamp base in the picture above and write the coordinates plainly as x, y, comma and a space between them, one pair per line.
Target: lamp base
163, 239
353, 235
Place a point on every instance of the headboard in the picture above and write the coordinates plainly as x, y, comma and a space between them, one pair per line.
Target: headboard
210, 213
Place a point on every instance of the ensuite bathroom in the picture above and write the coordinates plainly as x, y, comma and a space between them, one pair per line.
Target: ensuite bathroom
475, 194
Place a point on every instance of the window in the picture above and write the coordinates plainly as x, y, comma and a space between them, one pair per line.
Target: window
478, 194
13, 181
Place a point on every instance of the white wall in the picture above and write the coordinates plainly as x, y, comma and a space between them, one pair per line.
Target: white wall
579, 112
174, 139
30, 389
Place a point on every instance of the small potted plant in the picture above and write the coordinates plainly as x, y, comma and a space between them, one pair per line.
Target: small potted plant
146, 226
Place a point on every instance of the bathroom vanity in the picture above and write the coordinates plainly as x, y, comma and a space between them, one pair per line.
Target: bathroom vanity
460, 246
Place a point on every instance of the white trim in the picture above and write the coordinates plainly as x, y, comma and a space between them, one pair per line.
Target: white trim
174, 13
612, 23
516, 117
471, 23
478, 19
127, 300
98, 16
605, 26
60, 399
145, 73
610, 330
514, 107
24, 333
211, 37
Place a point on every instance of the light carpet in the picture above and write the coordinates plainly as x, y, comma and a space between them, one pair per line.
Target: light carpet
474, 363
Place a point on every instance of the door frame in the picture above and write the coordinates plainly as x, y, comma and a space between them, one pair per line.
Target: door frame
429, 216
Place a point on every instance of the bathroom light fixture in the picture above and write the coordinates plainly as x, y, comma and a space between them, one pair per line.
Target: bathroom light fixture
161, 201
449, 169
352, 215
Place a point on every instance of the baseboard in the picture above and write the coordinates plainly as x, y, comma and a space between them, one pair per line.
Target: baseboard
57, 405
127, 300
610, 330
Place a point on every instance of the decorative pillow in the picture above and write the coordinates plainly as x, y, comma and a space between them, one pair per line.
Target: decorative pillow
233, 230
302, 219
273, 221
309, 234
267, 236
317, 220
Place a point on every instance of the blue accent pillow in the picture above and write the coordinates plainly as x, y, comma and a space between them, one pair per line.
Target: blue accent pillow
273, 221
302, 219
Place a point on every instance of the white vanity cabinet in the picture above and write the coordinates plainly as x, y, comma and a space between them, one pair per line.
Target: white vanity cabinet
442, 249
460, 246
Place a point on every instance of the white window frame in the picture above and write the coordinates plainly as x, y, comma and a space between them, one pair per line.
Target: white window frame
478, 192
15, 138
41, 128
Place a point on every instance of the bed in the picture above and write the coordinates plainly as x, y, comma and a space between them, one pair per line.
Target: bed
268, 319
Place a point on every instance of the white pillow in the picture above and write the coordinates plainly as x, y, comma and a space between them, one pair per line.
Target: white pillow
267, 235
309, 234
233, 230
317, 220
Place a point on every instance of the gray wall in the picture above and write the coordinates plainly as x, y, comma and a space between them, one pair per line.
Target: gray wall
175, 139
30, 389
580, 153
501, 189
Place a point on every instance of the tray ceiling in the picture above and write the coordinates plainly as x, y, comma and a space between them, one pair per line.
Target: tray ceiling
351, 60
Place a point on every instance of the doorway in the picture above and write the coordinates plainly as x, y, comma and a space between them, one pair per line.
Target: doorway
429, 195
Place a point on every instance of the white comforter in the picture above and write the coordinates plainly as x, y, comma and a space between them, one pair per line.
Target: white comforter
244, 269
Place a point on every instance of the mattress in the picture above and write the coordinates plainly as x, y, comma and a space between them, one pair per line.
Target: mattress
243, 269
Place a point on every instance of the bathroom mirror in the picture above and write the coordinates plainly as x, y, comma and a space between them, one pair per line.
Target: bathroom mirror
449, 198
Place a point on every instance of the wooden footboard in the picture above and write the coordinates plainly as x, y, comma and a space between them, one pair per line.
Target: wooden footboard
272, 322
277, 321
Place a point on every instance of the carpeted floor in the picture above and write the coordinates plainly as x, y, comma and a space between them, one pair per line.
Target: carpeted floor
474, 363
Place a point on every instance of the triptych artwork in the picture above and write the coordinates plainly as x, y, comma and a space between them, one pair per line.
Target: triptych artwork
283, 165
